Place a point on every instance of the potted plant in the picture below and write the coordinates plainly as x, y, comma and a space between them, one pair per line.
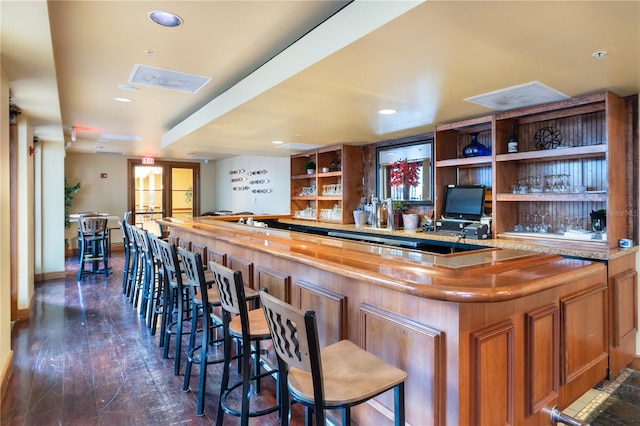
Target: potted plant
311, 167
399, 207
69, 192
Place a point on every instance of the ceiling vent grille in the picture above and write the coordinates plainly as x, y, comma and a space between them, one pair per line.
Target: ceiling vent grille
167, 79
524, 95
103, 152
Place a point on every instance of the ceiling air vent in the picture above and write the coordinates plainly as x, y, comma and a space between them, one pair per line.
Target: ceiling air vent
524, 95
167, 79
103, 152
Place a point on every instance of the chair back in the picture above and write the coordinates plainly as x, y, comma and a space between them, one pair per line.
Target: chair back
155, 250
293, 332
193, 270
170, 261
231, 288
231, 291
126, 216
92, 225
125, 236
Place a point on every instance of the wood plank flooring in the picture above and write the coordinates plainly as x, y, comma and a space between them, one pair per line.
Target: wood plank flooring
85, 357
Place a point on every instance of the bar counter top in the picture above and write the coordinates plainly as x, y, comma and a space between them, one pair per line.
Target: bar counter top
588, 251
499, 272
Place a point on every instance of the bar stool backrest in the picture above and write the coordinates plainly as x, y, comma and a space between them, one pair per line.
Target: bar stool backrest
193, 270
231, 288
171, 262
294, 332
92, 226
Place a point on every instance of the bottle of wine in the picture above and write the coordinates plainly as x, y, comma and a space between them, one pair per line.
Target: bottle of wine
512, 145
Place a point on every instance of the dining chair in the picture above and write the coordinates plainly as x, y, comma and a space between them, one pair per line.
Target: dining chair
338, 376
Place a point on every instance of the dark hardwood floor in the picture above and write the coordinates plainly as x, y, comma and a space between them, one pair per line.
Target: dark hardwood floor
85, 357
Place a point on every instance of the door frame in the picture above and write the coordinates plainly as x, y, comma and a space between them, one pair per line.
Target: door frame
166, 166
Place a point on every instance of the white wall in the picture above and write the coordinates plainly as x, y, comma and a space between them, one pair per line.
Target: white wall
5, 249
25, 223
208, 186
107, 195
52, 202
278, 174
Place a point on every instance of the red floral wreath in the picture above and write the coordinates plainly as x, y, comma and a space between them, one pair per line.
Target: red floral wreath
404, 173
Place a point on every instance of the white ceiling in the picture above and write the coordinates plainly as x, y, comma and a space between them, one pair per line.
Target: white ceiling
304, 72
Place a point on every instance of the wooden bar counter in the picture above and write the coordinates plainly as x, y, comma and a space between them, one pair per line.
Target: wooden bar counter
492, 336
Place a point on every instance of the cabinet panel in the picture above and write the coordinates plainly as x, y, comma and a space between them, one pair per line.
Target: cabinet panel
217, 256
492, 373
276, 283
245, 267
625, 305
330, 308
584, 333
391, 337
542, 356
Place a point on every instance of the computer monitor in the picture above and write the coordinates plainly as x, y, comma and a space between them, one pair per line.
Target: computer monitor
465, 202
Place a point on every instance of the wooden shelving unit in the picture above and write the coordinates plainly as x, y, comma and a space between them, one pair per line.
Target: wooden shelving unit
337, 182
591, 157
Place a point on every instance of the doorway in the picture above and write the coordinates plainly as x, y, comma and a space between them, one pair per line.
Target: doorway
164, 189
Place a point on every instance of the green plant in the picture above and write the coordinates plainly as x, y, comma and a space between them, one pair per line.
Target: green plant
310, 165
69, 192
188, 196
399, 205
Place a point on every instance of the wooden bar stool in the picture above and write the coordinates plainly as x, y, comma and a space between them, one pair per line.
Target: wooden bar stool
338, 376
249, 327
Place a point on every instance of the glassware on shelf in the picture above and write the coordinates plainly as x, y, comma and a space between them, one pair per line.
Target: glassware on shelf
536, 184
559, 226
569, 224
544, 226
523, 185
528, 226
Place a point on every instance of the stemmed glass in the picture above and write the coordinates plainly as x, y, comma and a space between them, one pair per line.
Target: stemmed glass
544, 227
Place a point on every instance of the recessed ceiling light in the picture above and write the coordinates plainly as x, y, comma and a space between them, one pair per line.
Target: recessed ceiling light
277, 142
166, 19
123, 100
387, 111
127, 88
